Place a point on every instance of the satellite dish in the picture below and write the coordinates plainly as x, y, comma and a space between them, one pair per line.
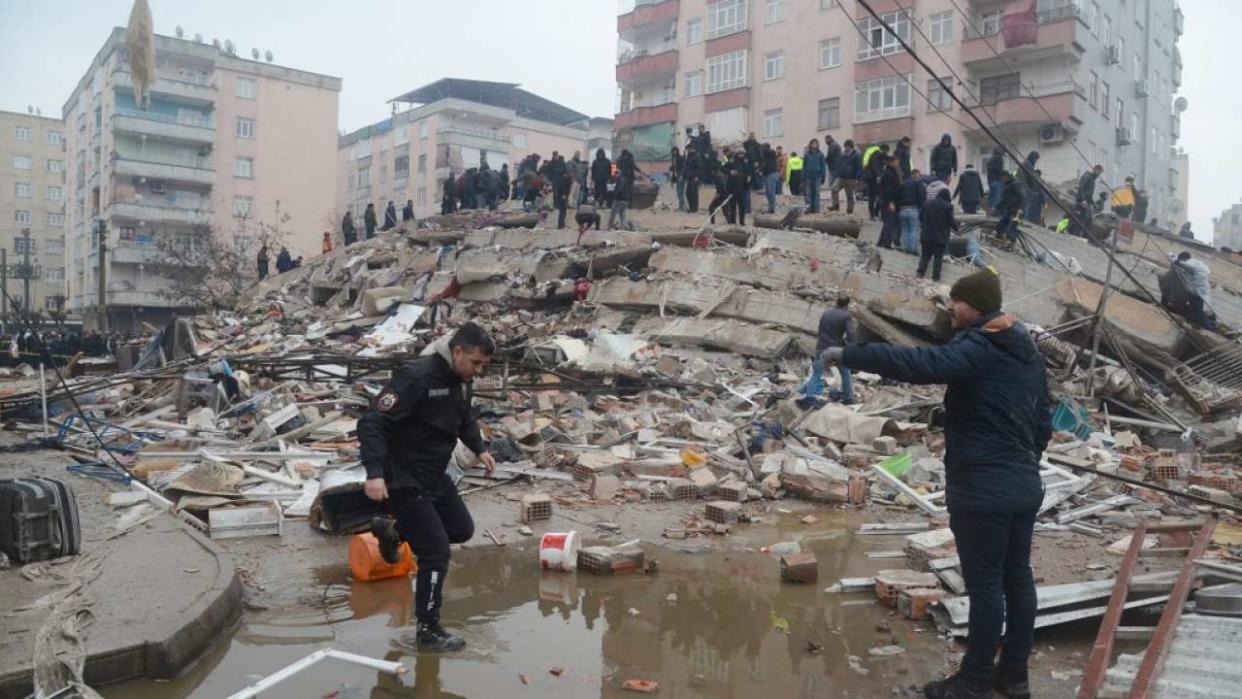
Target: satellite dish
180, 32
254, 53
198, 38
1180, 104
268, 56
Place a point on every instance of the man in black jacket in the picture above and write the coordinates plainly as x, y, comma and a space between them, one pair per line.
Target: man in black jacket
677, 175
937, 220
969, 190
348, 232
601, 170
368, 220
407, 439
407, 214
1010, 206
846, 174
692, 174
902, 154
996, 426
995, 167
832, 157
1086, 186
944, 158
888, 193
390, 217
771, 174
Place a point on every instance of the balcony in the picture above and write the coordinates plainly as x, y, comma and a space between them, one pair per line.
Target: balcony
140, 298
135, 254
139, 210
189, 171
1059, 104
164, 126
1175, 127
198, 94
644, 116
1061, 34
648, 15
474, 137
646, 68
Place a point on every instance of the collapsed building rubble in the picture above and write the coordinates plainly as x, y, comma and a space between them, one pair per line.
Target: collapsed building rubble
665, 365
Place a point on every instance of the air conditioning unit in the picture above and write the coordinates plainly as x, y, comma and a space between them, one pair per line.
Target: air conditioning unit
157, 187
1142, 88
1112, 55
1124, 136
1051, 134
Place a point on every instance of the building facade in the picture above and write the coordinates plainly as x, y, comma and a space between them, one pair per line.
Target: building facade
225, 142
1227, 229
448, 127
1097, 84
32, 211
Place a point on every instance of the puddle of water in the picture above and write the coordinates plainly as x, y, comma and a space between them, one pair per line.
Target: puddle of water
717, 639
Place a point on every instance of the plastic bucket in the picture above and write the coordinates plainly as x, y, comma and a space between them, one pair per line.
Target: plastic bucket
366, 563
559, 551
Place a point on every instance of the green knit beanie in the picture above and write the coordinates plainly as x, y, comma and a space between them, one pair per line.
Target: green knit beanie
982, 290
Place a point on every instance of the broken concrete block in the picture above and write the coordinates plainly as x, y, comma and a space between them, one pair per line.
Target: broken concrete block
885, 445
912, 603
665, 468
889, 583
799, 568
771, 486
816, 488
609, 560
536, 506
595, 463
722, 511
604, 487
377, 301
703, 479
733, 492
682, 489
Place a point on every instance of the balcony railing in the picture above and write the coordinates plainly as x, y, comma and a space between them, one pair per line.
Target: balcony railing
198, 91
1058, 14
168, 126
140, 209
193, 171
202, 122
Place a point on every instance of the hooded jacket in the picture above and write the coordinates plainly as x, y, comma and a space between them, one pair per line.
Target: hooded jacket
1026, 173
601, 168
937, 221
996, 165
997, 420
849, 165
944, 155
412, 428
902, 154
969, 186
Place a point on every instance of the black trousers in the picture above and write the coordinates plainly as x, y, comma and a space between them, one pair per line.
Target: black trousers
560, 200
692, 195
995, 551
601, 193
970, 207
430, 524
735, 210
715, 204
873, 197
890, 229
934, 253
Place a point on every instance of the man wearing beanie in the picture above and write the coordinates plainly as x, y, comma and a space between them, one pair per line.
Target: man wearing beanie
996, 425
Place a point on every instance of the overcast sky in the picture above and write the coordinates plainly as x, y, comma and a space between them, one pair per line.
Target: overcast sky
561, 49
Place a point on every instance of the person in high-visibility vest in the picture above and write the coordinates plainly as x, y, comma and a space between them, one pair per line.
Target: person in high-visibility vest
793, 172
1064, 224
1123, 199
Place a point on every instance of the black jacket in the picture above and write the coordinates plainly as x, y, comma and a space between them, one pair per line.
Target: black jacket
770, 165
937, 221
284, 262
913, 193
944, 157
1012, 196
408, 435
836, 329
902, 154
832, 156
969, 187
996, 165
677, 166
996, 413
849, 166
390, 217
693, 171
890, 186
347, 225
407, 214
368, 219
601, 169
1086, 186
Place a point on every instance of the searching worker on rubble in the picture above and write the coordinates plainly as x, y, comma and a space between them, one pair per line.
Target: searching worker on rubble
407, 439
996, 426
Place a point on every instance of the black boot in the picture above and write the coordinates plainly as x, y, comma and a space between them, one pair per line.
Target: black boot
1012, 682
385, 531
959, 686
432, 638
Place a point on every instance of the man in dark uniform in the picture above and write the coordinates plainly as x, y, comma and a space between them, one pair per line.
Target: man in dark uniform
407, 439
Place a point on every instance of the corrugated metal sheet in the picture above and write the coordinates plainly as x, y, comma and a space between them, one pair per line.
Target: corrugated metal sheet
1202, 662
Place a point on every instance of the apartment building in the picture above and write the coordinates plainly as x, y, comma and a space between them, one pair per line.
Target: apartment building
1227, 229
1098, 79
225, 142
449, 126
32, 196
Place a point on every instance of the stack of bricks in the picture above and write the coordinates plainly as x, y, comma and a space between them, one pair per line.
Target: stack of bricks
912, 603
682, 489
733, 492
890, 583
722, 511
536, 506
1166, 467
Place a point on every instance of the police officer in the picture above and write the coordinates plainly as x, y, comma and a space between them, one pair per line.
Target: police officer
407, 439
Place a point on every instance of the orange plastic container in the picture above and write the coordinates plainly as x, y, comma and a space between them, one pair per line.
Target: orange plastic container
366, 563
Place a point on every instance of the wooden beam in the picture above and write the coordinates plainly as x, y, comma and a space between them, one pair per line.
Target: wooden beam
1102, 649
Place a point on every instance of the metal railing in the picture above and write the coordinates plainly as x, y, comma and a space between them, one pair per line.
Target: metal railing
1057, 14
177, 119
490, 134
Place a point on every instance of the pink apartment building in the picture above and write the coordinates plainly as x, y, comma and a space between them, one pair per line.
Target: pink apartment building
1103, 75
226, 141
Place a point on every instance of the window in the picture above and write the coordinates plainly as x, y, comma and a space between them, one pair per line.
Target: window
422, 131
882, 98
54, 192
773, 123
243, 167
21, 190
362, 148
694, 31
1104, 99
830, 113
1134, 129
55, 138
1121, 110
940, 99
941, 27
364, 176
245, 127
22, 162
775, 11
401, 166
876, 41
774, 65
24, 245
242, 206
55, 246
725, 17
422, 196
1152, 140
1138, 66
247, 88
828, 4
830, 53
403, 134
999, 87
694, 83
52, 274
21, 216
54, 219
989, 24
519, 140
54, 165
726, 72
422, 162
21, 133
1093, 88
1106, 30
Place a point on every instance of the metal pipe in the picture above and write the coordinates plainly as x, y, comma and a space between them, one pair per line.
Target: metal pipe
392, 668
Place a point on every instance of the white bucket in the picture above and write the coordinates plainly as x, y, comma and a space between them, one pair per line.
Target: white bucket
559, 551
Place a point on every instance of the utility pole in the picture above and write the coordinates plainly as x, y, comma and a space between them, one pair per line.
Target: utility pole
27, 273
4, 284
103, 273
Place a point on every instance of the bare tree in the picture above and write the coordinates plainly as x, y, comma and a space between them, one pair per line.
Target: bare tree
210, 268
